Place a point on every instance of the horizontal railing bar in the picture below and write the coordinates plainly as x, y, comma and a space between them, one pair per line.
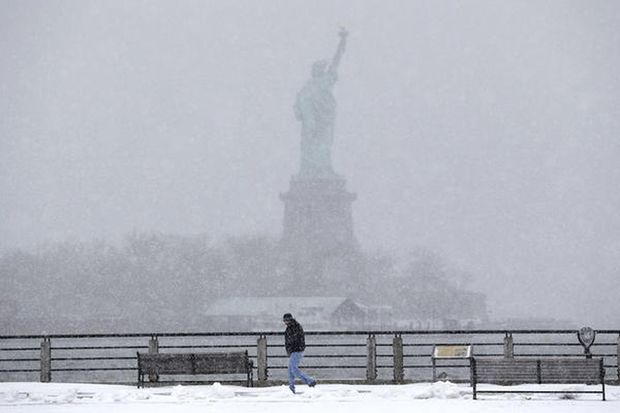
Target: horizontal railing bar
20, 371
544, 355
549, 355
548, 344
95, 369
320, 367
580, 355
279, 345
211, 346
99, 347
448, 344
332, 345
91, 358
306, 355
310, 333
477, 355
342, 356
20, 349
315, 356
322, 345
318, 356
430, 356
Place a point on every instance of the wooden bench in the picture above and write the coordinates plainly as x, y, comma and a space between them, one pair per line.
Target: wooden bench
153, 365
508, 371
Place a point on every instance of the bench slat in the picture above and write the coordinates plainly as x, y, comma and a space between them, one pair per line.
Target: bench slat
228, 363
506, 371
166, 363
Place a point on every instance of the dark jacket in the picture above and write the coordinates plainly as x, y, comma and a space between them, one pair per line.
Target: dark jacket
294, 339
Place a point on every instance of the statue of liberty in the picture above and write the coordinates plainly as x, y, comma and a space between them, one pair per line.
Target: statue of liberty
315, 107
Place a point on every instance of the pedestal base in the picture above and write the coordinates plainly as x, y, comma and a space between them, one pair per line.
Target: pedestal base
317, 240
318, 216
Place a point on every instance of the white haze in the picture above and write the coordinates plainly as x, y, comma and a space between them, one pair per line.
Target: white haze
487, 130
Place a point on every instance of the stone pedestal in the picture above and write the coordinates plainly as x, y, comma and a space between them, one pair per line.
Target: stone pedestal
318, 229
318, 216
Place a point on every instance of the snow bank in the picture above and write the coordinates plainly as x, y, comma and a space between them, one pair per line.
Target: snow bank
429, 397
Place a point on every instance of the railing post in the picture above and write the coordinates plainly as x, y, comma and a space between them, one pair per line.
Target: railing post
153, 349
46, 360
399, 371
261, 359
509, 348
371, 358
153, 345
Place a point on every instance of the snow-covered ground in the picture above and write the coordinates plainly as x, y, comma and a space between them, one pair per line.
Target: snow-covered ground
423, 397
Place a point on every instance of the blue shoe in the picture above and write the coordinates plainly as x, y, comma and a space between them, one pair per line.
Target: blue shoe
292, 388
312, 383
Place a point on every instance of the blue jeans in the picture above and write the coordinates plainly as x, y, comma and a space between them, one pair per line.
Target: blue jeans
294, 371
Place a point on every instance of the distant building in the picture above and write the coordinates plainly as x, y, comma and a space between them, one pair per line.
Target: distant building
314, 313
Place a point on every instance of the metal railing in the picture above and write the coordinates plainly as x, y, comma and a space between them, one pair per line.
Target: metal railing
332, 356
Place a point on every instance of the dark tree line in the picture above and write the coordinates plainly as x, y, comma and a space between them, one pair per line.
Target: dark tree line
157, 282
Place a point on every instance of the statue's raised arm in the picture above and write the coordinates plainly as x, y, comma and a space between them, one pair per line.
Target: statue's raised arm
333, 67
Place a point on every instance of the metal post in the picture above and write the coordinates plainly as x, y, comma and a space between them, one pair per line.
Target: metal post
371, 358
473, 374
153, 345
46, 360
509, 348
153, 349
399, 370
261, 359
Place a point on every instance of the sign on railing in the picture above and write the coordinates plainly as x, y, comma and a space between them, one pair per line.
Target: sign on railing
452, 352
449, 352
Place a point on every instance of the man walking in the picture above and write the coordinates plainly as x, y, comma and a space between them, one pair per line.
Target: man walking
295, 344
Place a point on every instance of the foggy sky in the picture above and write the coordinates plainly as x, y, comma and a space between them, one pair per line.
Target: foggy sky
486, 130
